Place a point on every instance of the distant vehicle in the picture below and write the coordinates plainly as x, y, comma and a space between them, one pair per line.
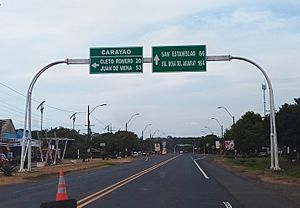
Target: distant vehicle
135, 154
3, 159
181, 152
262, 154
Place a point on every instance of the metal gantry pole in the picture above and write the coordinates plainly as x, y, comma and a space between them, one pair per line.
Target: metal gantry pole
273, 132
26, 140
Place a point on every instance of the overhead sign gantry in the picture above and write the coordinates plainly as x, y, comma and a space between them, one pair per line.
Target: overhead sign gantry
130, 59
179, 58
116, 60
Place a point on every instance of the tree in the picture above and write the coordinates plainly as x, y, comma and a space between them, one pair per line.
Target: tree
288, 125
249, 133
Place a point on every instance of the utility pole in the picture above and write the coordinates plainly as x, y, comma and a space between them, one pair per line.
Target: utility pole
88, 120
89, 125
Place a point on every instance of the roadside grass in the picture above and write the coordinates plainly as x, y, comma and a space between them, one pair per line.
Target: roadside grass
260, 166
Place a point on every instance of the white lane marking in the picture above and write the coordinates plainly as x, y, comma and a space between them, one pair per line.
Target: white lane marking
146, 159
227, 204
203, 173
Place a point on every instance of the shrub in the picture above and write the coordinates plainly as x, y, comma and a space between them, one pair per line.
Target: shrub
8, 169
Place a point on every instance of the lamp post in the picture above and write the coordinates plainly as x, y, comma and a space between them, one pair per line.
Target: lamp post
157, 130
41, 107
73, 117
89, 122
149, 124
264, 87
130, 120
220, 126
233, 120
209, 129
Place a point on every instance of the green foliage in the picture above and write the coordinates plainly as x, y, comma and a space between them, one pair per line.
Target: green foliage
118, 142
249, 133
8, 169
288, 124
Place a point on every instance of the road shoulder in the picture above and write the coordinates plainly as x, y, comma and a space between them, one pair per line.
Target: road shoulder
270, 181
49, 171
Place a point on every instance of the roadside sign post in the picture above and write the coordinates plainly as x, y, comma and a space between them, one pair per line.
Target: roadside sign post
179, 58
116, 60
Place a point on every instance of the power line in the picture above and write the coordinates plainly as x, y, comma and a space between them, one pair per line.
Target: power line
99, 120
21, 94
4, 85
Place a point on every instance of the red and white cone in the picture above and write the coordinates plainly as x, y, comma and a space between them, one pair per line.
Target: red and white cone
61, 188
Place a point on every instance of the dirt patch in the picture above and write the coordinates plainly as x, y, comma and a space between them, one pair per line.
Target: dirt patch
68, 166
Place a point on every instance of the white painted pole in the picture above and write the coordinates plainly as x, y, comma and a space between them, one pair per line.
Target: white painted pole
28, 110
273, 133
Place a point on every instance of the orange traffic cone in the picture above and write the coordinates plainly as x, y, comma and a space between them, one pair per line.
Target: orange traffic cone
61, 189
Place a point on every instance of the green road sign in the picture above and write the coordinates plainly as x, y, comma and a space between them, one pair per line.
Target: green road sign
179, 58
116, 60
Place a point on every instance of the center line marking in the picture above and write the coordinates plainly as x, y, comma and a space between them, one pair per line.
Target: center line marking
202, 171
227, 204
93, 197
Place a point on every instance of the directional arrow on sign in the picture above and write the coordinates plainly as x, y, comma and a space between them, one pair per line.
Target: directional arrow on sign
156, 59
95, 65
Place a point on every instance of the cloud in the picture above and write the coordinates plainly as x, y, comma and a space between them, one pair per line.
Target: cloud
35, 33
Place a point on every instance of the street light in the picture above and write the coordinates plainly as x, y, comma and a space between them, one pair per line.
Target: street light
157, 130
89, 122
108, 127
73, 117
233, 120
41, 107
130, 119
220, 126
209, 129
149, 124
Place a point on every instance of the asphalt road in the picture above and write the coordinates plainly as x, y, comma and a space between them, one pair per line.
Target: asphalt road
158, 181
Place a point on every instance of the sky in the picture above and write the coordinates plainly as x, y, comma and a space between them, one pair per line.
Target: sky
35, 33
